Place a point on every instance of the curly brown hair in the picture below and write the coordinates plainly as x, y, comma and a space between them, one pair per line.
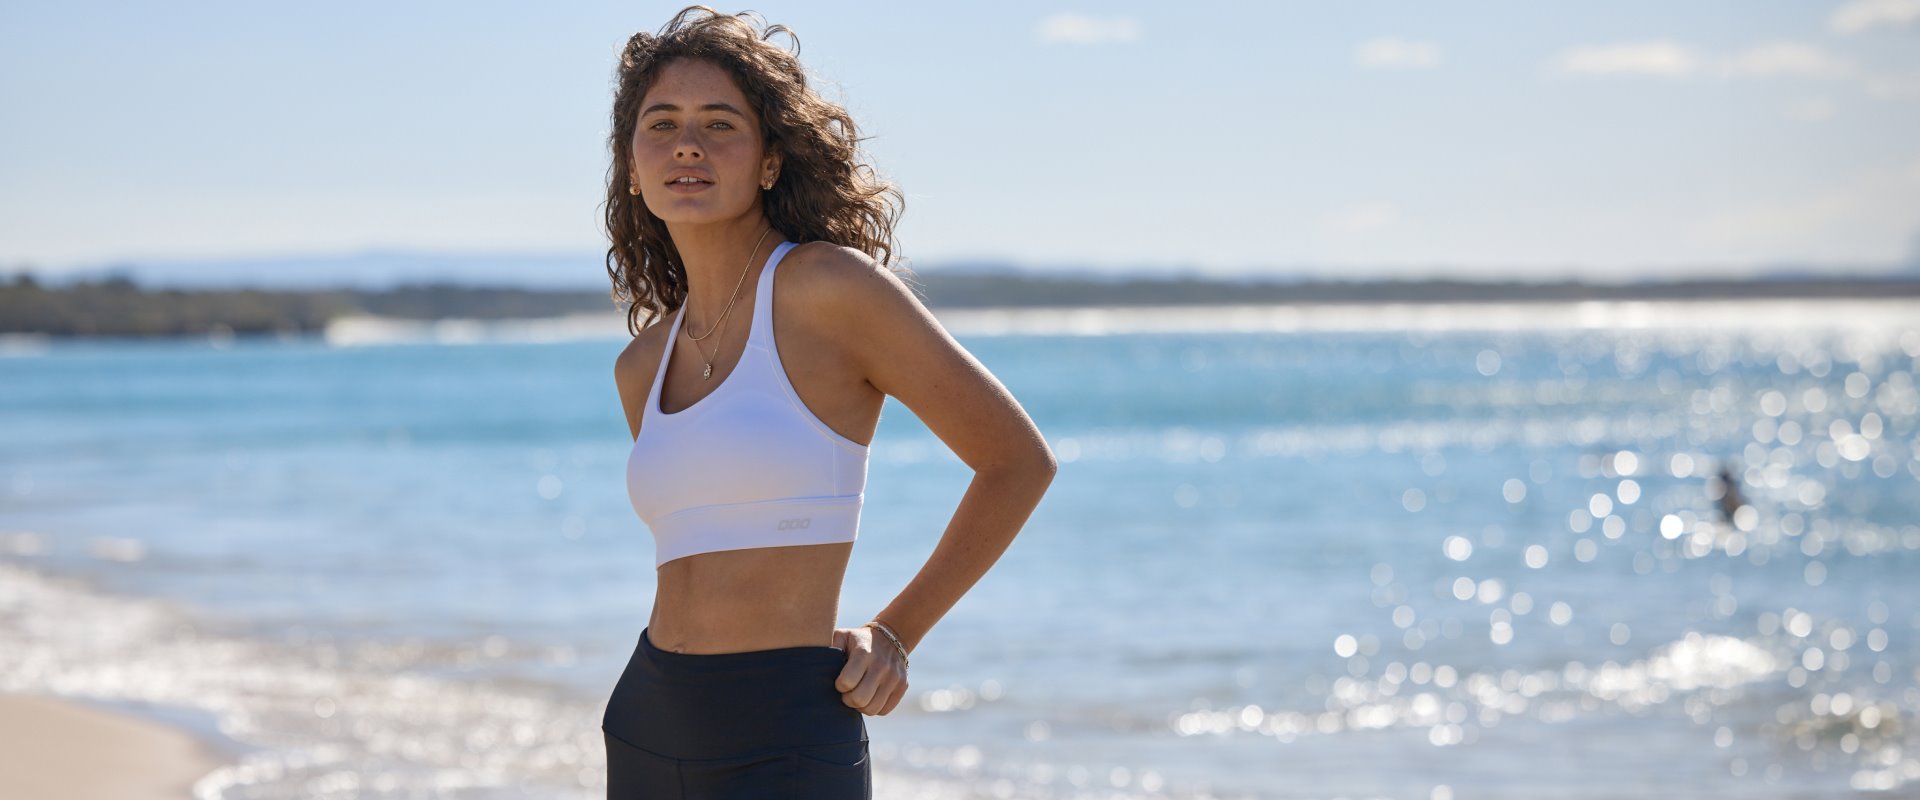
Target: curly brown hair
825, 191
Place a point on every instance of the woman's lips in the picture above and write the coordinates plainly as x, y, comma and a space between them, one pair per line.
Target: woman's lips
688, 188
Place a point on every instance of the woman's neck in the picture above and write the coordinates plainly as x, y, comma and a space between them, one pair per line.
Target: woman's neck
716, 254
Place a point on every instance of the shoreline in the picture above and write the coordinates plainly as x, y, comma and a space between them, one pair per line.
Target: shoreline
111, 682
73, 748
1314, 317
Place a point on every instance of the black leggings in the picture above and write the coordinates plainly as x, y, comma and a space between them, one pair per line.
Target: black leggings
762, 723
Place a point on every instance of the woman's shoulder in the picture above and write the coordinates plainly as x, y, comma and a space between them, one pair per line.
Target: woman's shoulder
827, 275
864, 306
634, 368
821, 259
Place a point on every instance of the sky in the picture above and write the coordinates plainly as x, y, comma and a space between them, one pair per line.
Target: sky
1518, 140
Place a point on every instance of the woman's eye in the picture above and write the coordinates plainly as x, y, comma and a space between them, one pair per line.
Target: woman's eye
656, 126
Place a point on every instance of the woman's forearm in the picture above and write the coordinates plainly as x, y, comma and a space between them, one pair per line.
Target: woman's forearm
994, 508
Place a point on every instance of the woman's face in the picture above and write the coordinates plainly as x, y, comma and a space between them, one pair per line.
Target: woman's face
695, 121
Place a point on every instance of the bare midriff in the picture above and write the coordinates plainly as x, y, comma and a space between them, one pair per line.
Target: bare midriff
732, 601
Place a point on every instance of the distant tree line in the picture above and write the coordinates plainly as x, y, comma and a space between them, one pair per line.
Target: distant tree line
117, 306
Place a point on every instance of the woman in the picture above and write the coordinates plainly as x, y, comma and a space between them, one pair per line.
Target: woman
752, 399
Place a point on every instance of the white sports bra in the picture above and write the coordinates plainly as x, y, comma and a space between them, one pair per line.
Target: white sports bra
748, 465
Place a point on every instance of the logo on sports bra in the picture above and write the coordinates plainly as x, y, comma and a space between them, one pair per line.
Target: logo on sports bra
793, 524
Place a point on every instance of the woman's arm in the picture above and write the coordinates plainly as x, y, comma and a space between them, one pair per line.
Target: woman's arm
634, 370
905, 353
633, 381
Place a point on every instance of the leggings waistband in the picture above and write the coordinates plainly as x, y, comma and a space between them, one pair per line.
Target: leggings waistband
718, 705
698, 663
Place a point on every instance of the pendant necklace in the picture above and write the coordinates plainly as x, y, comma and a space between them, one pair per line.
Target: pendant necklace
708, 372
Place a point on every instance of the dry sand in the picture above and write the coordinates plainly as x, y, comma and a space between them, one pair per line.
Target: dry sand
55, 748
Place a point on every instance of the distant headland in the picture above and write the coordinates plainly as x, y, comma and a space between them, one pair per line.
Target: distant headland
120, 306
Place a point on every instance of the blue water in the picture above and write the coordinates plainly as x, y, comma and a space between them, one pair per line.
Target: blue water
1341, 563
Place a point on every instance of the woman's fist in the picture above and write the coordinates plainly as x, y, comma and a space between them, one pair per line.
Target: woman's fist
875, 676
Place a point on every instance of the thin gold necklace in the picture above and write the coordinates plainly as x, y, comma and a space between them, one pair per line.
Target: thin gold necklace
708, 372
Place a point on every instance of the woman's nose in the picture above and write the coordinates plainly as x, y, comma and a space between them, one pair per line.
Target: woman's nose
688, 147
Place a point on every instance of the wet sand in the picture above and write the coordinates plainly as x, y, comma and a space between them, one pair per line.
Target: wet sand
59, 748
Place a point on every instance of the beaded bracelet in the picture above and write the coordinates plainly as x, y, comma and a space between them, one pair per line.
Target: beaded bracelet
882, 627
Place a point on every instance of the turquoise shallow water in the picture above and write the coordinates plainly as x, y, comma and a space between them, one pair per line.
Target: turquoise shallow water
1285, 563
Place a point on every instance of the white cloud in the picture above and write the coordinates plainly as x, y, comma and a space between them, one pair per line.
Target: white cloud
1769, 59
1361, 218
1659, 57
1389, 51
1082, 29
1774, 59
1861, 15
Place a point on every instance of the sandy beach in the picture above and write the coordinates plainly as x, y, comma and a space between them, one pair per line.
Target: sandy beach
57, 748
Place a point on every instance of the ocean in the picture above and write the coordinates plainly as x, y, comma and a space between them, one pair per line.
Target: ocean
1413, 552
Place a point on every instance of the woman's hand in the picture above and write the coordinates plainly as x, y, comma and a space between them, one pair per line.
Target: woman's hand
875, 676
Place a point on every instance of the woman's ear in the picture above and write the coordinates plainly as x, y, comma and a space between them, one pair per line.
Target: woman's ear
771, 166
